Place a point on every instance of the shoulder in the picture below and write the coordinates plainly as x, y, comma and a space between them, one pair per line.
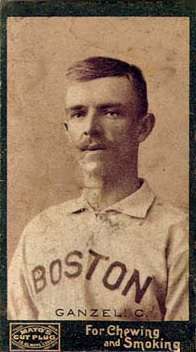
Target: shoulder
171, 221
46, 231
168, 213
50, 219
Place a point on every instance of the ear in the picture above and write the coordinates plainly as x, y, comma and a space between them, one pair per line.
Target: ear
146, 125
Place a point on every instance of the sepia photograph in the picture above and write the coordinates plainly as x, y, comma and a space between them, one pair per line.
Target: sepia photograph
98, 168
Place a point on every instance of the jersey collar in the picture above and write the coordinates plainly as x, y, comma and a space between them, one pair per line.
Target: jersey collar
135, 205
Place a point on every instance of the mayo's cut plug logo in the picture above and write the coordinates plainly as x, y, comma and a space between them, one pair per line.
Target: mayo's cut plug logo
35, 337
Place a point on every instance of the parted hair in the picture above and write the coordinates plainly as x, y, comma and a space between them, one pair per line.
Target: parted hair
100, 67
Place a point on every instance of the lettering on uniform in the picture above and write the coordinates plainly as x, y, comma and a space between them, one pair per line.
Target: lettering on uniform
39, 278
113, 277
55, 271
135, 279
117, 283
75, 264
95, 262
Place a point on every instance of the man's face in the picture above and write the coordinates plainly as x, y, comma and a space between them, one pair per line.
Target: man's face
103, 124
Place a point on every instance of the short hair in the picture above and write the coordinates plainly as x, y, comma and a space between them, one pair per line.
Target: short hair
100, 67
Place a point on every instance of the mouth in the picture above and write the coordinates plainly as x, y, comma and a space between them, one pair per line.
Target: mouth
94, 148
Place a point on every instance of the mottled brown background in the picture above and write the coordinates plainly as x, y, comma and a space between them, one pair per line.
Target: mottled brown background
41, 170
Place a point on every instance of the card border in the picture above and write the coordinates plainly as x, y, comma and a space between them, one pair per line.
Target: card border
82, 9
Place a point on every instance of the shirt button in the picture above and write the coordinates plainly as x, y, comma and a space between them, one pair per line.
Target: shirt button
101, 217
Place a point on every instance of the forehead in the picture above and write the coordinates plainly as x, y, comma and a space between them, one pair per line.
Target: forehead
100, 91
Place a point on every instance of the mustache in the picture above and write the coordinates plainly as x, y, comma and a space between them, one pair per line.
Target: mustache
92, 144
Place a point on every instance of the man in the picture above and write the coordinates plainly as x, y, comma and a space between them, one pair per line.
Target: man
117, 252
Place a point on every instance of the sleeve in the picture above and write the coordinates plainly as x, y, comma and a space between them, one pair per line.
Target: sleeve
20, 301
177, 299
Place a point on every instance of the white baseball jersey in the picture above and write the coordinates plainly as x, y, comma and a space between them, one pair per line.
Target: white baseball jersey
127, 262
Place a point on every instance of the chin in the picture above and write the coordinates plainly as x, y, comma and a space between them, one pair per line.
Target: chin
92, 167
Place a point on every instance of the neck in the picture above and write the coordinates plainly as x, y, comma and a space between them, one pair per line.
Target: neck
101, 192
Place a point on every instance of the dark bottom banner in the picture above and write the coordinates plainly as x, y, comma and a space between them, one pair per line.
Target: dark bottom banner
99, 336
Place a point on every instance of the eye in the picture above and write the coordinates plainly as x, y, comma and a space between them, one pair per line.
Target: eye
77, 114
112, 114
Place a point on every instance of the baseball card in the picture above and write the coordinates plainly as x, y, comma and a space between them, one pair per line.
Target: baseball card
97, 176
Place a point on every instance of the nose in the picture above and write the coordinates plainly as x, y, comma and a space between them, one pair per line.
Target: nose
92, 124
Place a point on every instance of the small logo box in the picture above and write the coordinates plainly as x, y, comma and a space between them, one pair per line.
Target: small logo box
35, 337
